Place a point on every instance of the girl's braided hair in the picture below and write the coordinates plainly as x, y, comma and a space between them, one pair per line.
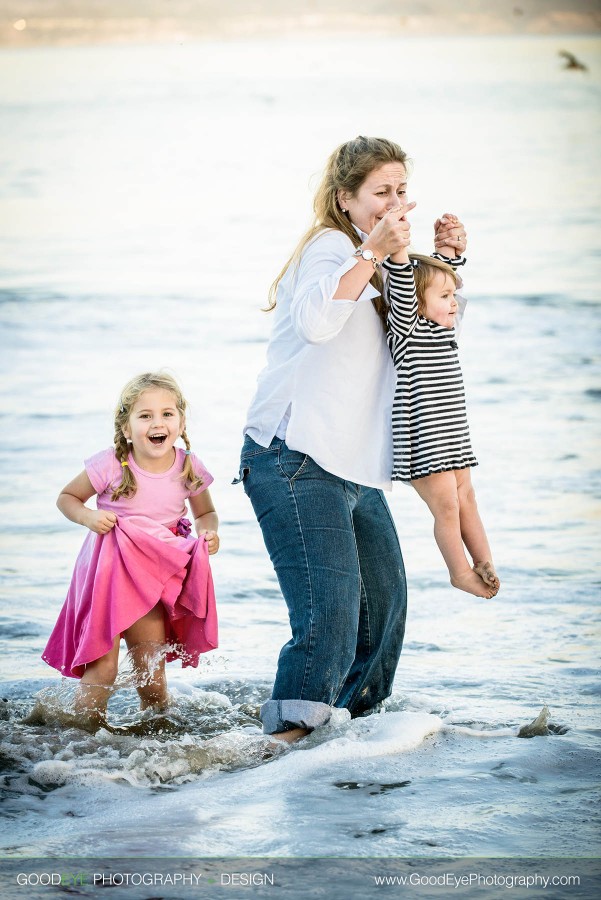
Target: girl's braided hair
129, 396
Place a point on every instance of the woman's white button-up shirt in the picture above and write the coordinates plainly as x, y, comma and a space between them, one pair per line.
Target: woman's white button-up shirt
329, 381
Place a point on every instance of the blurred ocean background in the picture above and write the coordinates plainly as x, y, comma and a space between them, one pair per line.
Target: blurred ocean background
148, 196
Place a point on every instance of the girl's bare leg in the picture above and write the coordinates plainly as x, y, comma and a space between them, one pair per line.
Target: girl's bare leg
472, 531
142, 640
439, 491
96, 685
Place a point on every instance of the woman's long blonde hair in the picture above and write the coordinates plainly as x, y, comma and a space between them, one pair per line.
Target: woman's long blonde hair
129, 396
346, 169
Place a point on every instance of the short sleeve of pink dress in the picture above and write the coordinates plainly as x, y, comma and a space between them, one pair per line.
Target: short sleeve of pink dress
202, 472
104, 470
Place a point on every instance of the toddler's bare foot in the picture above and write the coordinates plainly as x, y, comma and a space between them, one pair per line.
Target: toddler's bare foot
472, 583
487, 573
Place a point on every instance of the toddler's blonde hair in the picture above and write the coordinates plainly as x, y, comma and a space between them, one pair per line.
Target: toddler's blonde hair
425, 273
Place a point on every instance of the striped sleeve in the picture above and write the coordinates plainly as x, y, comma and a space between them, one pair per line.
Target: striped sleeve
456, 262
402, 312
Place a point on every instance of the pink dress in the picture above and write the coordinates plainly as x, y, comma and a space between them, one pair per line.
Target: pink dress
120, 576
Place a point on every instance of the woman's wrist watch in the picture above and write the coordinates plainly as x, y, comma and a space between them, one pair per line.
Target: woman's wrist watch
367, 254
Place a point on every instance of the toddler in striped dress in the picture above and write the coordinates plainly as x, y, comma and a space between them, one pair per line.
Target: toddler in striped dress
432, 448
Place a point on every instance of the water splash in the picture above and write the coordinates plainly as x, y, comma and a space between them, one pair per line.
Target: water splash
114, 708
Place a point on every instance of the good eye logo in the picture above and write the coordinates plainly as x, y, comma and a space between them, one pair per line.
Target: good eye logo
71, 879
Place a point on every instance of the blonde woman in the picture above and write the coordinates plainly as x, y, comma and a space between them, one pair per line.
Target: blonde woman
317, 452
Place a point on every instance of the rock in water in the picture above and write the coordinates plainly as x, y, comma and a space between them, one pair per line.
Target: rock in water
536, 727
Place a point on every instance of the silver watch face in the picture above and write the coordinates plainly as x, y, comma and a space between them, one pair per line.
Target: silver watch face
367, 254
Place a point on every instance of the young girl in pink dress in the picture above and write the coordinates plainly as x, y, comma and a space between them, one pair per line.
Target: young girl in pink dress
140, 574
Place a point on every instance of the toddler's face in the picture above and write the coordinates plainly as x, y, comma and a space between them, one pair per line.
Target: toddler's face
153, 427
441, 305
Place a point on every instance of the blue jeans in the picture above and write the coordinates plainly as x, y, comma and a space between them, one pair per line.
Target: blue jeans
337, 557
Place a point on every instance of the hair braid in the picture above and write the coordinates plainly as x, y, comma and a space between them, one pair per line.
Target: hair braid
193, 481
128, 486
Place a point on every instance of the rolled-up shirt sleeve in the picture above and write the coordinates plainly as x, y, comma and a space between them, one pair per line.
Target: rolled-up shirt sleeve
316, 317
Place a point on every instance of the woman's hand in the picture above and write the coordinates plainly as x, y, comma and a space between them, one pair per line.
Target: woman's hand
392, 233
449, 234
99, 520
212, 539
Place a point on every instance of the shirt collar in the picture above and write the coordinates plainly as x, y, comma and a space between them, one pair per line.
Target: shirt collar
361, 234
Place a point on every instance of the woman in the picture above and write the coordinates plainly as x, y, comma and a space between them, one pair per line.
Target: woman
318, 446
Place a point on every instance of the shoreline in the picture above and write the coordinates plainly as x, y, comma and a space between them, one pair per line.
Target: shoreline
39, 31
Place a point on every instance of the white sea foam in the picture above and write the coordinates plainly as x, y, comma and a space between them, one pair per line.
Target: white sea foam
374, 736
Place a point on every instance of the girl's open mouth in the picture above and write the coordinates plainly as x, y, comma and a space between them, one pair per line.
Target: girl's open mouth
158, 439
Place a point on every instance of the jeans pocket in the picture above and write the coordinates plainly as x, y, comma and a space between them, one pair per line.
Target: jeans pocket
244, 470
292, 463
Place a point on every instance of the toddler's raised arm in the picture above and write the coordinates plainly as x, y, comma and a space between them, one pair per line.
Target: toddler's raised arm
402, 314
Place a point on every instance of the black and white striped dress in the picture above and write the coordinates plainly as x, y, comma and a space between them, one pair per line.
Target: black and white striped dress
429, 421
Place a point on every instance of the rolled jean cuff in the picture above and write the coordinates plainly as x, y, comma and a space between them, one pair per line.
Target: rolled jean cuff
282, 715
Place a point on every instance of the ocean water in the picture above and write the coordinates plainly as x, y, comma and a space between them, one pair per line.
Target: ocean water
148, 196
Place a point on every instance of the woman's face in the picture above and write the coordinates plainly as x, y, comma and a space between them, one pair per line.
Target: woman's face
384, 189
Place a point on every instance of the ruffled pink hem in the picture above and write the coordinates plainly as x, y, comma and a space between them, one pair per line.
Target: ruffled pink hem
119, 577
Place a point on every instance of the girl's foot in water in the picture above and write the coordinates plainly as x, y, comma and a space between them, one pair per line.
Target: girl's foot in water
86, 720
487, 573
472, 583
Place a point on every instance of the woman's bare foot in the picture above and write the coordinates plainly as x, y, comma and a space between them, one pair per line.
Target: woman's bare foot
472, 583
487, 573
292, 735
